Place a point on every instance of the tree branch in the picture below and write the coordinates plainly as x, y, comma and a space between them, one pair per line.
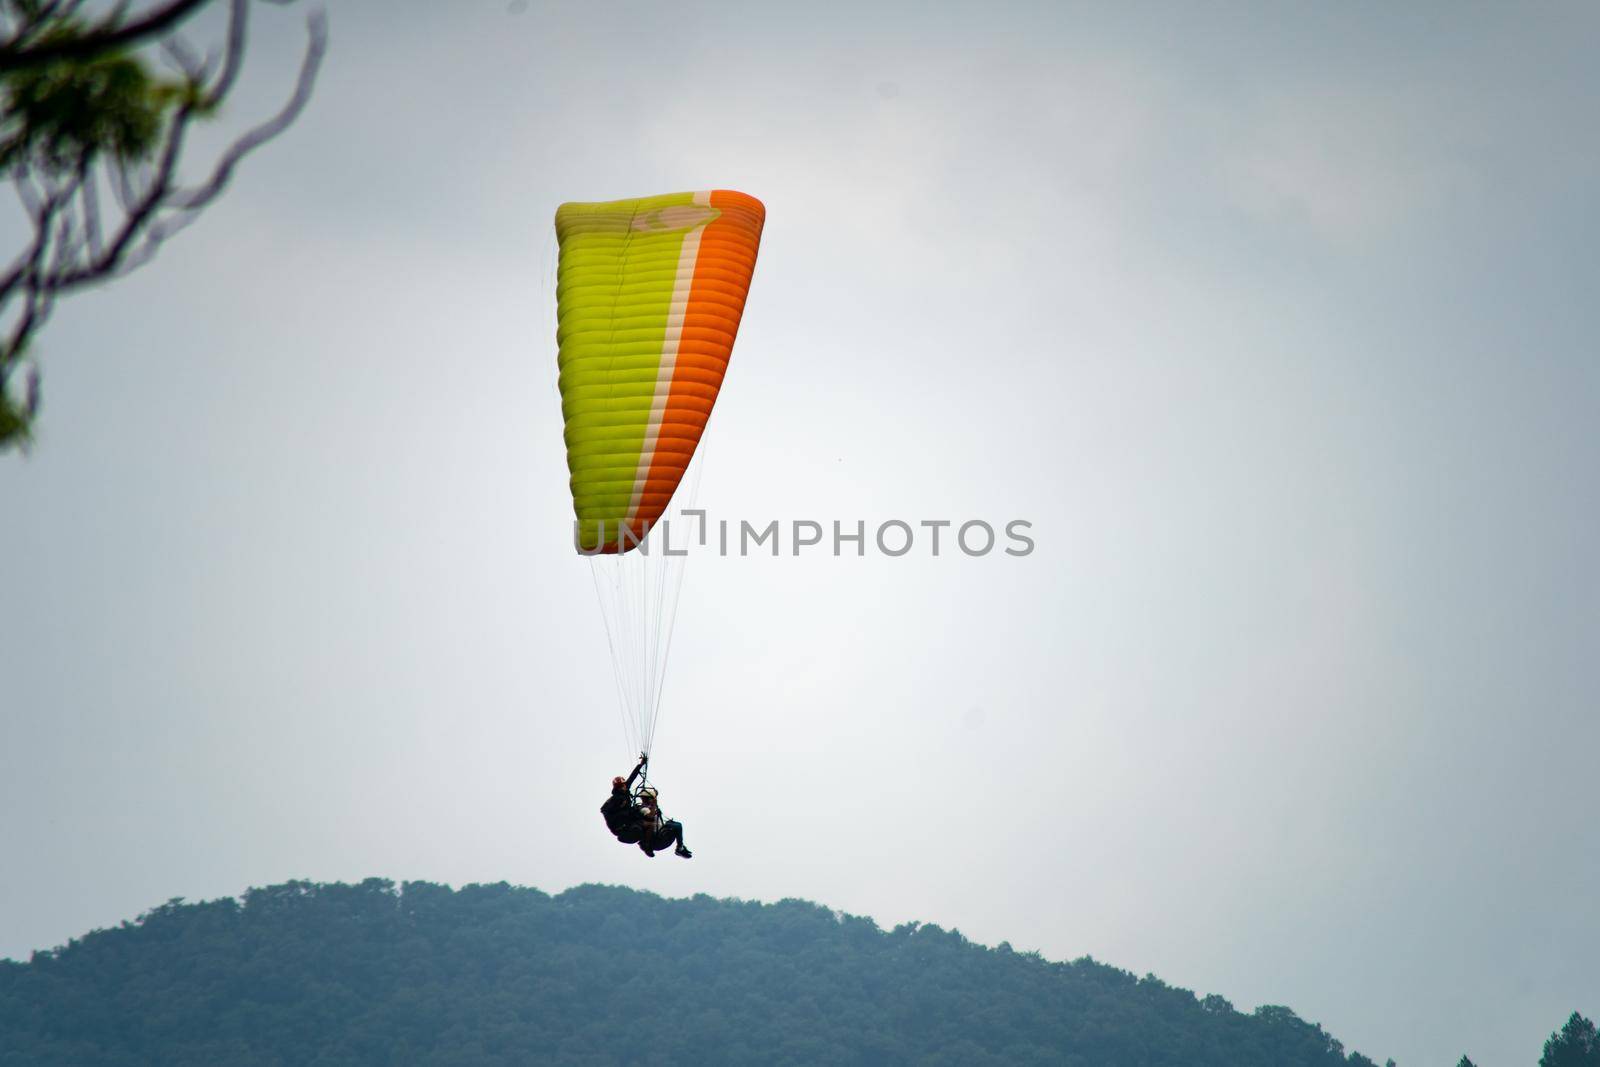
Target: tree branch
76, 242
104, 36
194, 199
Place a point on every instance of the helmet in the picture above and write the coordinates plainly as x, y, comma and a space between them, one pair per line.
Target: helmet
618, 781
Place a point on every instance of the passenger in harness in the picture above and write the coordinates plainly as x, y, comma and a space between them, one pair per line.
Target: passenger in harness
659, 832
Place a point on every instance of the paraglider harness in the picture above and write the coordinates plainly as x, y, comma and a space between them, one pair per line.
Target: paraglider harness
643, 771
643, 795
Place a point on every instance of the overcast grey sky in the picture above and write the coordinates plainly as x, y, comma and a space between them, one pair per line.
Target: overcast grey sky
1277, 321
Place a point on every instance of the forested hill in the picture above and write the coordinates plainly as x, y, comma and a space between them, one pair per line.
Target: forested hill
307, 973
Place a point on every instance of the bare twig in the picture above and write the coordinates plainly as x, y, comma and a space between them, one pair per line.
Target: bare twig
194, 199
90, 198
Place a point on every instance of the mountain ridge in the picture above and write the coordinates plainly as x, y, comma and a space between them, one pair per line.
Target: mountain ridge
375, 972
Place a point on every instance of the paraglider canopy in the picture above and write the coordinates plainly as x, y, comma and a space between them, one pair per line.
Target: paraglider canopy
649, 295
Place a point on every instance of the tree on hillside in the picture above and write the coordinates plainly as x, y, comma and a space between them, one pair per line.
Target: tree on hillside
1577, 1045
1466, 1063
92, 134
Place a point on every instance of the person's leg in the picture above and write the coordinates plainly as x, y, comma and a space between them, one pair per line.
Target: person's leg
671, 833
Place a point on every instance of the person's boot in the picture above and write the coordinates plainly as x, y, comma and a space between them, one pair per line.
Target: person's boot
681, 851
